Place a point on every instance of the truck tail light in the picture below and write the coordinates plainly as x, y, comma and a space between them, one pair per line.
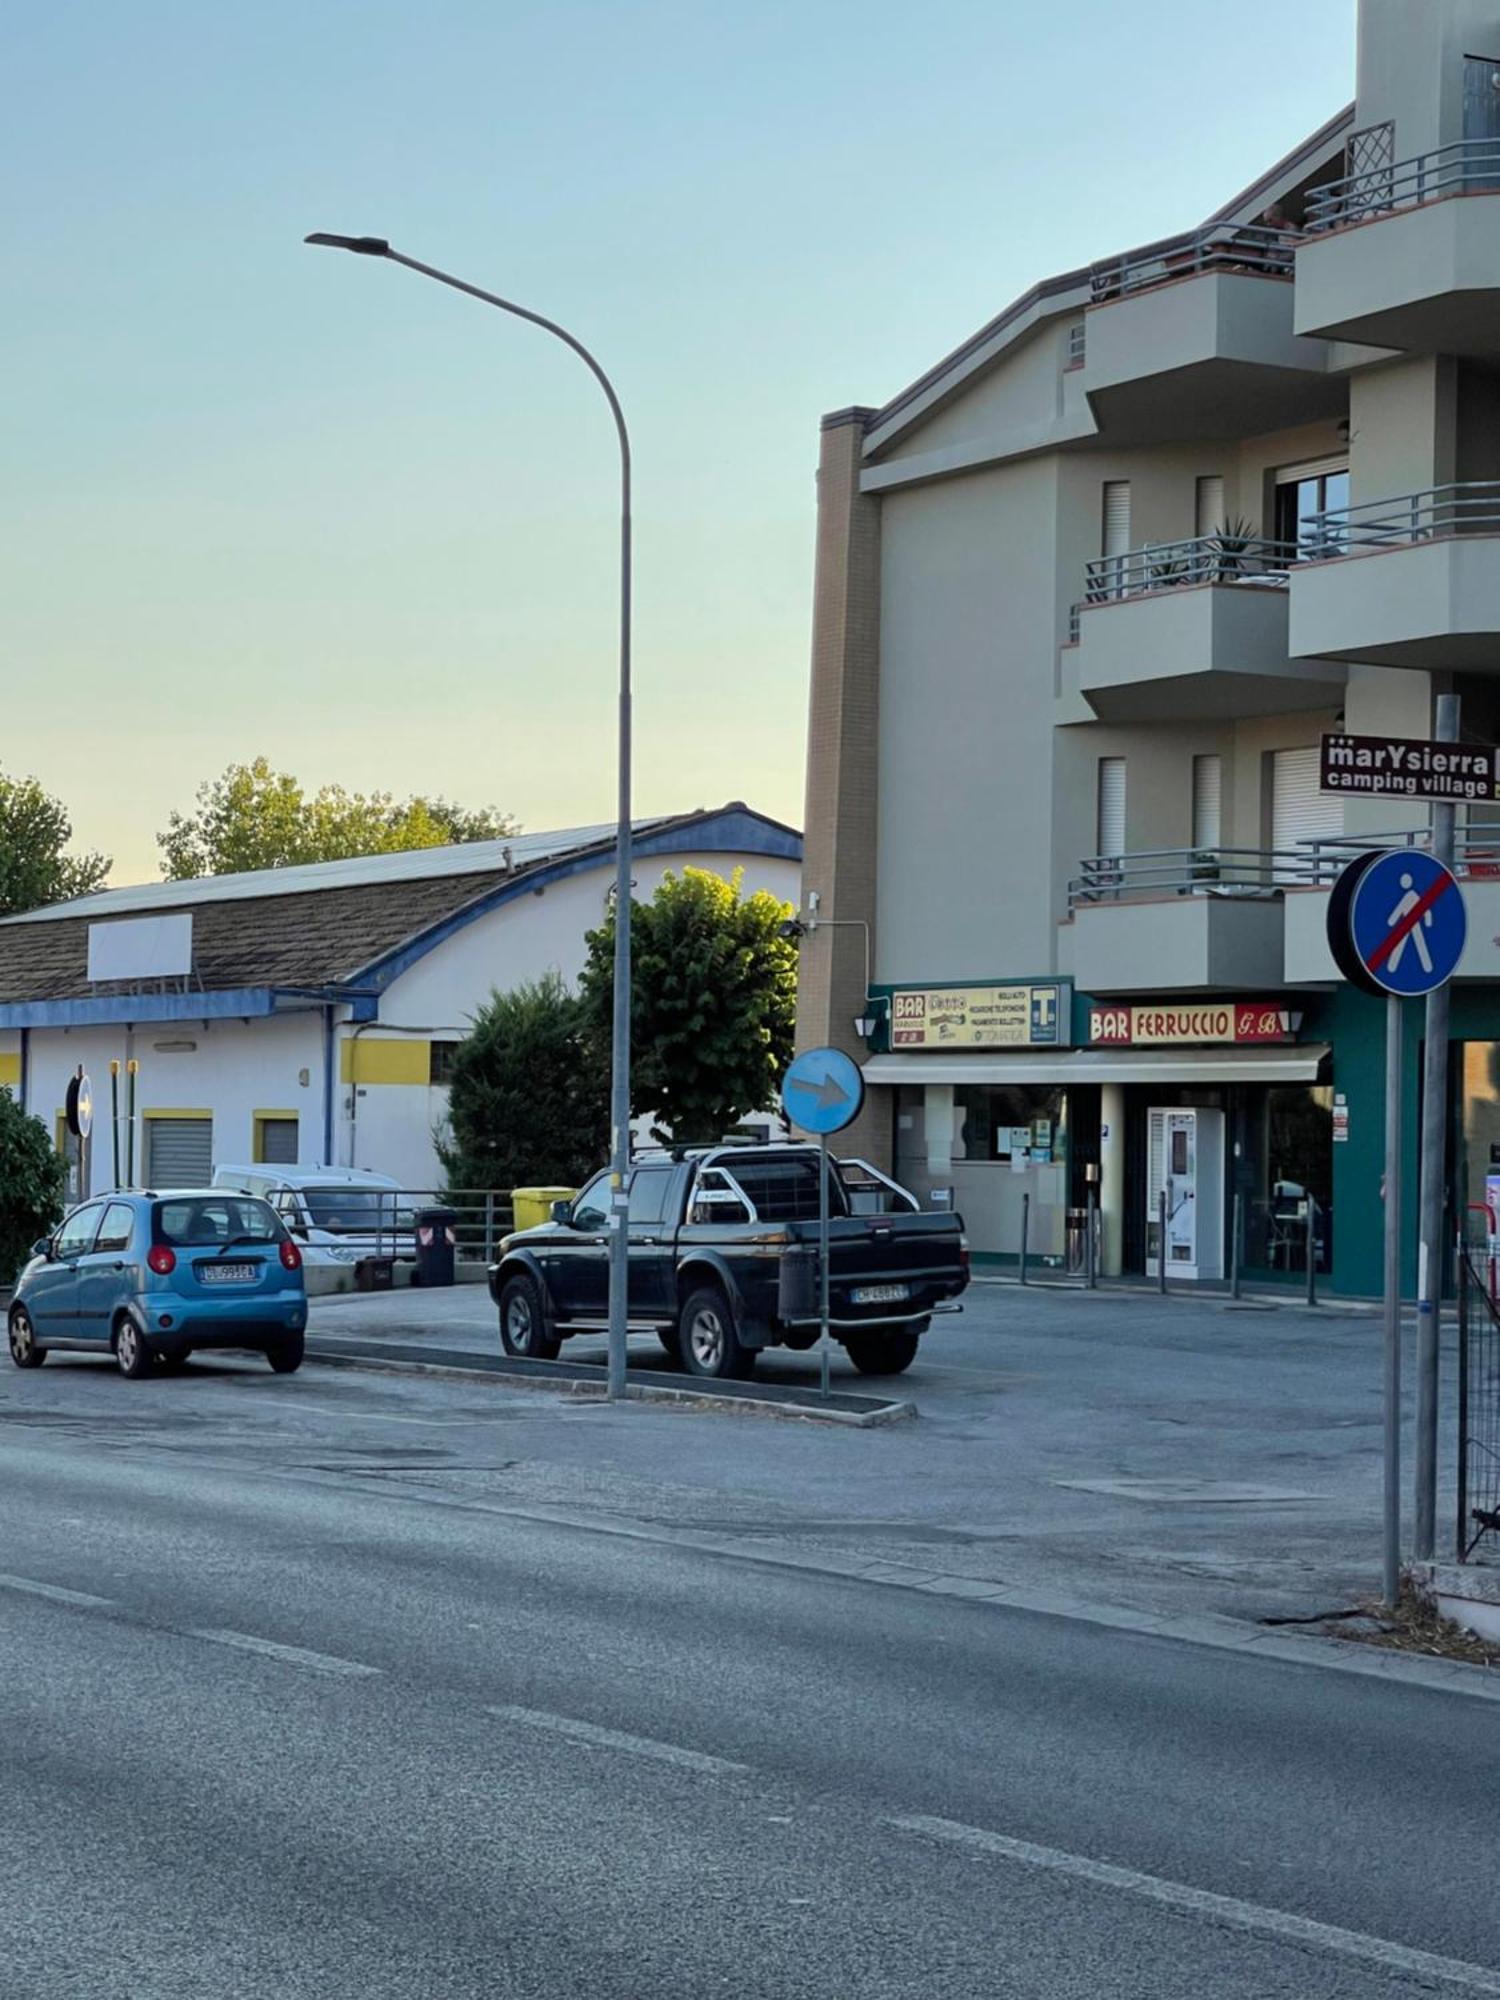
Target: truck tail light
291, 1256
162, 1259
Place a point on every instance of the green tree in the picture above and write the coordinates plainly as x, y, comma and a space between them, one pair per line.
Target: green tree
32, 1177
254, 817
528, 1104
713, 1002
34, 830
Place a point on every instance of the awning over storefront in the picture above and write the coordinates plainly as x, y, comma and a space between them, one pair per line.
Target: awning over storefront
1284, 1063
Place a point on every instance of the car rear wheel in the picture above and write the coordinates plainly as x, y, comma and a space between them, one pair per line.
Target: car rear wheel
286, 1356
24, 1348
710, 1340
133, 1352
523, 1321
890, 1353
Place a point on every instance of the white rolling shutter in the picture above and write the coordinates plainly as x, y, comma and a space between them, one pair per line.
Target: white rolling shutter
1208, 795
179, 1152
1110, 827
1299, 811
1116, 517
1210, 504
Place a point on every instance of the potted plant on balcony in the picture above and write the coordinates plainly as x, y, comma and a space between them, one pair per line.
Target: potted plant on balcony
1167, 566
1229, 548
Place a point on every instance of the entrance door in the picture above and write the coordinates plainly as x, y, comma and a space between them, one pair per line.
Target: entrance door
1481, 122
653, 1242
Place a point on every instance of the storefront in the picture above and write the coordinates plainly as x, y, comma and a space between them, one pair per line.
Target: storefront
1183, 1109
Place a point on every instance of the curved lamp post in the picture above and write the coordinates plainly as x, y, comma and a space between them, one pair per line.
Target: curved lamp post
619, 1245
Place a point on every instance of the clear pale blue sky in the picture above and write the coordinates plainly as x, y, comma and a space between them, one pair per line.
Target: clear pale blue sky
266, 498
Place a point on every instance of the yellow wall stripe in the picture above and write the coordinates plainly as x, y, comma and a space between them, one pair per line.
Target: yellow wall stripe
366, 1061
10, 1071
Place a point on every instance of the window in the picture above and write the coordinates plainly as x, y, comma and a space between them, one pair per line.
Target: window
1109, 827
440, 1057
1115, 532
1209, 504
648, 1193
1208, 788
212, 1221
275, 1140
179, 1151
591, 1209
784, 1186
714, 1200
1300, 809
77, 1233
115, 1229
1303, 491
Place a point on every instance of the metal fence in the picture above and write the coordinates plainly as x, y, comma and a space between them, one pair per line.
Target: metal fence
1467, 166
1247, 248
1253, 872
1220, 557
1478, 1403
1434, 513
382, 1222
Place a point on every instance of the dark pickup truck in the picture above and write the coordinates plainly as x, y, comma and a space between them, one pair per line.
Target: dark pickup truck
724, 1261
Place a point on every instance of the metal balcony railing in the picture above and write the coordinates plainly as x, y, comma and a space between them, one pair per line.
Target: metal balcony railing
1468, 166
1463, 507
1243, 247
1476, 851
1155, 874
1218, 558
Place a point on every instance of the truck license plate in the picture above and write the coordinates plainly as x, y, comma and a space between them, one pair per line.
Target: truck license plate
877, 1295
226, 1274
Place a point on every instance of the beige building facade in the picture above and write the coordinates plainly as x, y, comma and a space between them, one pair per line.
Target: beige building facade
1088, 595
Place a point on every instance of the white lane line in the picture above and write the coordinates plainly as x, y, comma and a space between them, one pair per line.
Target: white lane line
617, 1739
1281, 1925
292, 1656
55, 1593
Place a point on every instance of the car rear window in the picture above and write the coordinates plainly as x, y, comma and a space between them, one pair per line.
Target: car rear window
209, 1221
784, 1186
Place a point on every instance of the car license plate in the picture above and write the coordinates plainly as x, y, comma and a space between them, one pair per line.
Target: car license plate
878, 1295
227, 1274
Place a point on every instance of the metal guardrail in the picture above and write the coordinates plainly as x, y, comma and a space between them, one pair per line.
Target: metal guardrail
1222, 557
1221, 246
1462, 507
1252, 872
1467, 166
382, 1221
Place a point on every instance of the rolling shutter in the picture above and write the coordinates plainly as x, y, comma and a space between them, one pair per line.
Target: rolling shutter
1299, 811
179, 1152
1116, 517
1208, 794
1210, 504
278, 1142
1110, 830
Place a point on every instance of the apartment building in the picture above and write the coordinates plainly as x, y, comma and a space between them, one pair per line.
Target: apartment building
1088, 594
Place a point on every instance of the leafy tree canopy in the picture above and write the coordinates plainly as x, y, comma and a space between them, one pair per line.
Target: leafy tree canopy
34, 830
713, 1002
254, 817
32, 1177
528, 1104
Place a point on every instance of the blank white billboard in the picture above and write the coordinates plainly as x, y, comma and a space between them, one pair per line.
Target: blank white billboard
142, 948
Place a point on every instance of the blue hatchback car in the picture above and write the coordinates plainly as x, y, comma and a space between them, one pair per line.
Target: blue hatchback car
149, 1277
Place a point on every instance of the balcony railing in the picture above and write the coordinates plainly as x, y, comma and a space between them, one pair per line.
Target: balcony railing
1265, 253
1468, 166
1152, 875
1467, 507
1217, 558
1476, 851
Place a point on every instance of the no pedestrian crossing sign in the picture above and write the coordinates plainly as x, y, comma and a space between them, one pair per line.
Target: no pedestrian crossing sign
1396, 923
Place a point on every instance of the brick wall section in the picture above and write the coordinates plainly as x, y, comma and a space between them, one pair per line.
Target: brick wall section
843, 763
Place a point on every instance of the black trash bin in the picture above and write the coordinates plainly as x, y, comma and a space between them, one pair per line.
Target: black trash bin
435, 1246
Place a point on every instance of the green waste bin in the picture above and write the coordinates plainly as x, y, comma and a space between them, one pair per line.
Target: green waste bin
534, 1205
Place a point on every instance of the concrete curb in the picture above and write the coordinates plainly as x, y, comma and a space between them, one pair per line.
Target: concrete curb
388, 1360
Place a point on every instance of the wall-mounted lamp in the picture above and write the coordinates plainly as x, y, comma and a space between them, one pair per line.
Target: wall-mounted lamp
865, 1025
174, 1048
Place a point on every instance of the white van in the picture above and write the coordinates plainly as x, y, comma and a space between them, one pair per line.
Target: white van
338, 1214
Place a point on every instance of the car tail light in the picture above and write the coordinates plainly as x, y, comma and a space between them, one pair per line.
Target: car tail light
162, 1259
291, 1256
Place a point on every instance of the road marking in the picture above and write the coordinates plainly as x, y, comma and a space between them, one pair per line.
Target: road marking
293, 1656
1230, 1910
616, 1739
55, 1593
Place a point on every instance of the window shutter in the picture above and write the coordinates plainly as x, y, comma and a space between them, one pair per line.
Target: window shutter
179, 1152
1299, 810
1208, 792
278, 1142
1116, 517
1111, 815
1210, 504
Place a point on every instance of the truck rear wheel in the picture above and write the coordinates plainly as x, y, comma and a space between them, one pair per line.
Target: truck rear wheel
888, 1353
710, 1340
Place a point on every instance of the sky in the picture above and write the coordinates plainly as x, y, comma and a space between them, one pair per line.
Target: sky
264, 499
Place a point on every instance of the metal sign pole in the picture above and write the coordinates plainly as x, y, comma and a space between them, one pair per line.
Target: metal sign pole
823, 1252
1434, 1151
1391, 1539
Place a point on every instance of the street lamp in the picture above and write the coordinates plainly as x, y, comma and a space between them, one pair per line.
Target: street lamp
619, 1117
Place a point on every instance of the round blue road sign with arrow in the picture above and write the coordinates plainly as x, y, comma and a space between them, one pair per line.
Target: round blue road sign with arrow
1396, 922
822, 1091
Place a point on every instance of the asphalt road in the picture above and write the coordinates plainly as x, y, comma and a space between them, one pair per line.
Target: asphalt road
287, 1715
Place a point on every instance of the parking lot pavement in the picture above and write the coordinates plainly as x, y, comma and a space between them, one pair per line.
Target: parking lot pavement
1176, 1456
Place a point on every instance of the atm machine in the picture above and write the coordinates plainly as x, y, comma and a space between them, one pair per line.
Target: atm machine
1185, 1156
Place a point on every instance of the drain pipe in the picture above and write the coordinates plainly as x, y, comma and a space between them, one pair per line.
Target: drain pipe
392, 1028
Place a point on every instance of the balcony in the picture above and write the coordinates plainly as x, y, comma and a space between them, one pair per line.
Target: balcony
1412, 581
1194, 337
1407, 255
1476, 862
1195, 629
1198, 920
